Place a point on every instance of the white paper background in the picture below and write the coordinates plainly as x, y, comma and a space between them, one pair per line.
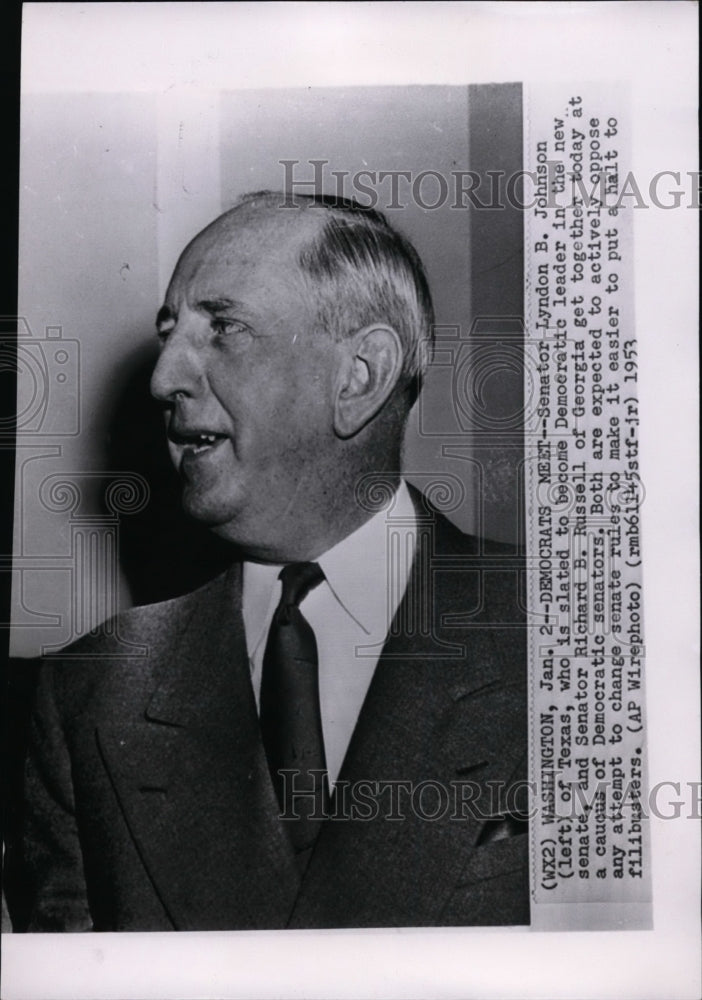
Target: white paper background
153, 47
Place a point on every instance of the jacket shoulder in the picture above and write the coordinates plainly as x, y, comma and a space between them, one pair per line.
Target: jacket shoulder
120, 658
451, 540
144, 624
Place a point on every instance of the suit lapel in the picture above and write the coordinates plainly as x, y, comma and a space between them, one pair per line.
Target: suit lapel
443, 729
193, 783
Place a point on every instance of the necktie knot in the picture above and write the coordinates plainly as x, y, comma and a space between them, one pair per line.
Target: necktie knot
298, 580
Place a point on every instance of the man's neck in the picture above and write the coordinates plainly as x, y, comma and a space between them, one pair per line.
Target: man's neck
323, 529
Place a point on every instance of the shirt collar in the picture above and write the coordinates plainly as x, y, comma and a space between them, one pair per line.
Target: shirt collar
260, 595
367, 572
360, 567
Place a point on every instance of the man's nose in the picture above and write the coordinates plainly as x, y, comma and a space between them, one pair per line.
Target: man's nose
178, 370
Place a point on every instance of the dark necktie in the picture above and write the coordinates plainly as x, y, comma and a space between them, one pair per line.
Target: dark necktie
291, 721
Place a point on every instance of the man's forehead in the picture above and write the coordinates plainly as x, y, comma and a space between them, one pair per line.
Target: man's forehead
258, 231
258, 244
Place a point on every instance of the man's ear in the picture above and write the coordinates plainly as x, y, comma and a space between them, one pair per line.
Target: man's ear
372, 360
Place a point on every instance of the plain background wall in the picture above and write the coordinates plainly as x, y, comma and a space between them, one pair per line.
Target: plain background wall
113, 186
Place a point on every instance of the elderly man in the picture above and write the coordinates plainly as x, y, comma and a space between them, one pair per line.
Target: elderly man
332, 733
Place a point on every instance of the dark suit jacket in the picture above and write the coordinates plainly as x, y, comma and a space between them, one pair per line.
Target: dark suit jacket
150, 806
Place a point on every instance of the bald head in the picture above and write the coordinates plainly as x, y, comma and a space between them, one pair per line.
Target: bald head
258, 228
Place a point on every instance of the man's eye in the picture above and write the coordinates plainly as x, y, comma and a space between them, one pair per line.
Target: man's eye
230, 328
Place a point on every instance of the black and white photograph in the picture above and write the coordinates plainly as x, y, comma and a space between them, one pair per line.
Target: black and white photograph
344, 537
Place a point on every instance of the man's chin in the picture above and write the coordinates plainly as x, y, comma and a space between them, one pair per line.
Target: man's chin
213, 512
232, 520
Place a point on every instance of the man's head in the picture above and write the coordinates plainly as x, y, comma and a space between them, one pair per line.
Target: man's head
293, 343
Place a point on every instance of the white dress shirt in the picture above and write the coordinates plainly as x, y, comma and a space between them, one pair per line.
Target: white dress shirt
366, 576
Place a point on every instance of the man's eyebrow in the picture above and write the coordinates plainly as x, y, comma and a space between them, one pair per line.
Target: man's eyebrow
165, 315
214, 306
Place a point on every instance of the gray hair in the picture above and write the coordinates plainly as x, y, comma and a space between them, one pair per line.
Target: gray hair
363, 271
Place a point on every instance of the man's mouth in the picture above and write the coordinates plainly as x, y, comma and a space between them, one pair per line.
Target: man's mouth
195, 442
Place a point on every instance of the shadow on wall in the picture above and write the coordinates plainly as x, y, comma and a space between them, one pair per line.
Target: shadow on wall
163, 553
